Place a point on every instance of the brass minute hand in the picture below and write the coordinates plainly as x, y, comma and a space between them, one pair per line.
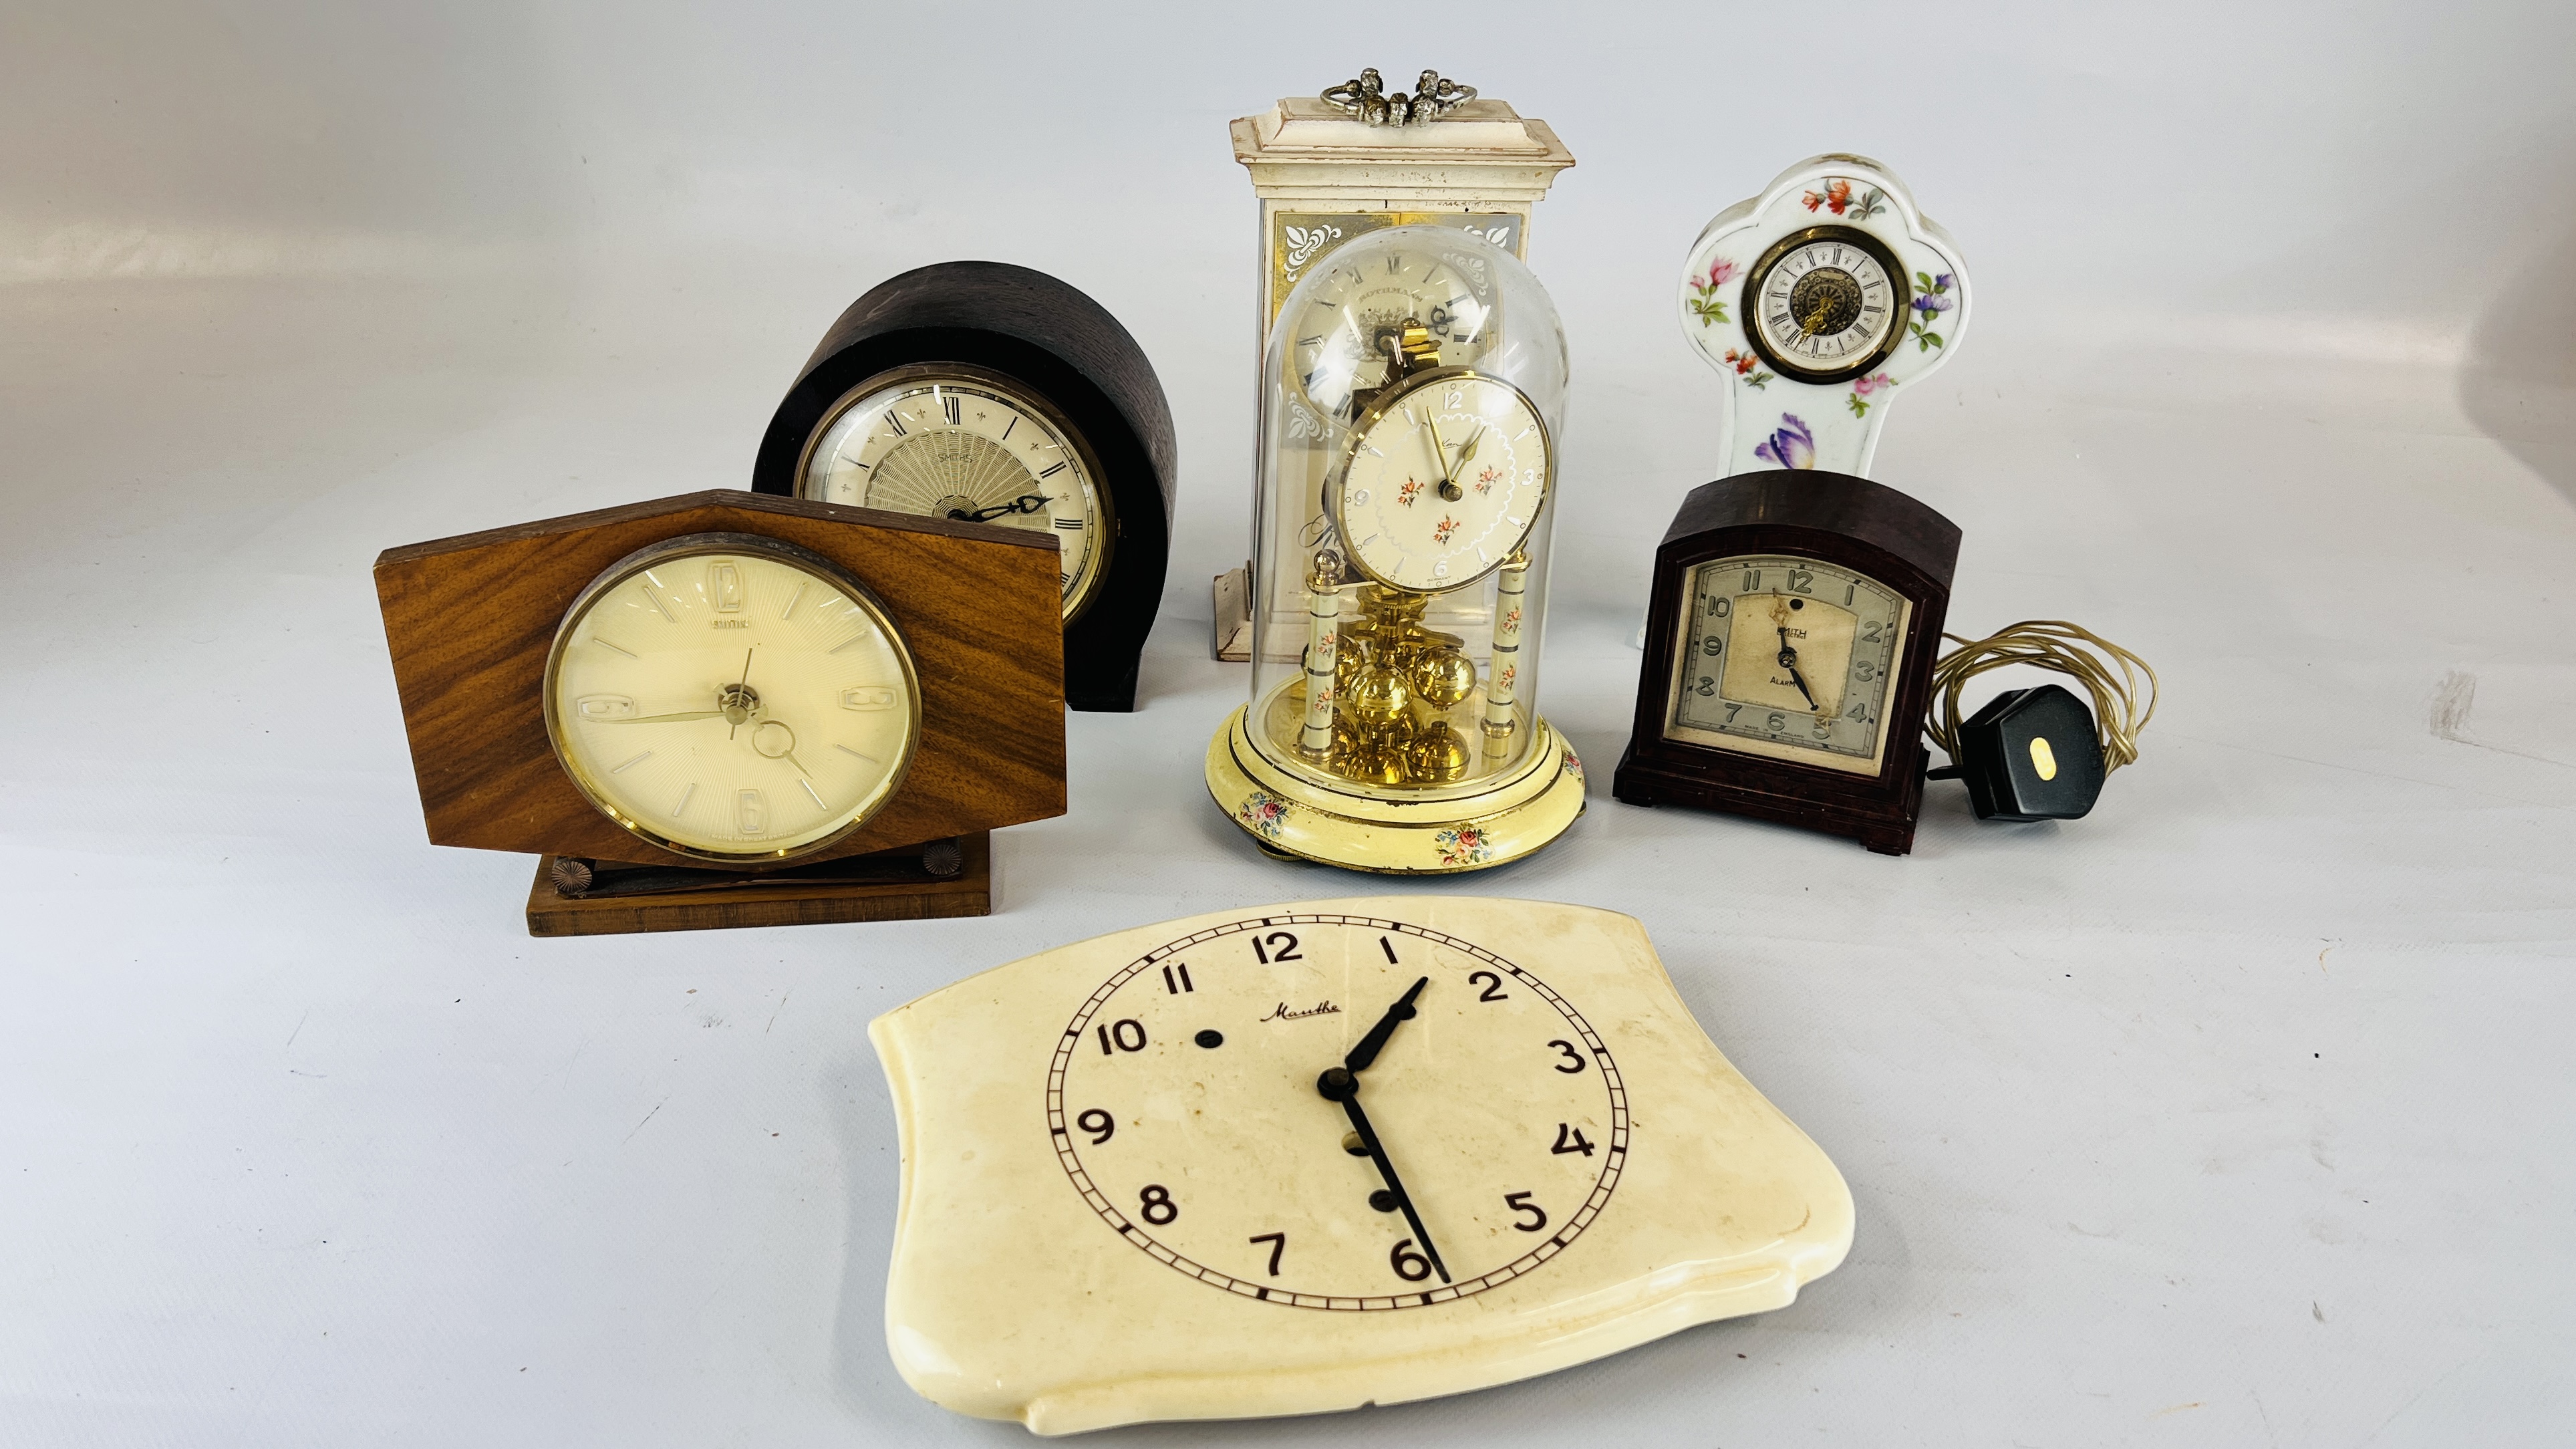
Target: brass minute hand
666, 718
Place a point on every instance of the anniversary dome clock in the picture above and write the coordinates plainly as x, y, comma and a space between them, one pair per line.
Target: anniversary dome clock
1408, 468
725, 709
986, 393
1312, 1156
1334, 167
1818, 301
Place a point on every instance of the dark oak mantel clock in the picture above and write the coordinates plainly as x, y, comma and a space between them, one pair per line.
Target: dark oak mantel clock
988, 393
725, 709
1790, 637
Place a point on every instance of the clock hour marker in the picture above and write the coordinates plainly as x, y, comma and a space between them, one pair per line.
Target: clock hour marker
1310, 341
870, 761
655, 600
1051, 472
607, 644
1072, 524
1006, 432
810, 795
894, 422
867, 696
792, 600
956, 407
630, 764
724, 586
852, 642
683, 807
750, 812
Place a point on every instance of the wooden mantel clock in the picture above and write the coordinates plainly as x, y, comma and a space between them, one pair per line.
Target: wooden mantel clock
1793, 621
985, 392
726, 709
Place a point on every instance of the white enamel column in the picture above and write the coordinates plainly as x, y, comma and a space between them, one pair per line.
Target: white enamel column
1502, 685
1323, 648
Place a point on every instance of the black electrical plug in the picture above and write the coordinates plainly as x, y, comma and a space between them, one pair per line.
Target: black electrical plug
2030, 754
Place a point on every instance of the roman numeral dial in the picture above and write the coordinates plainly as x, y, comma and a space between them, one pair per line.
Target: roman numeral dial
1826, 303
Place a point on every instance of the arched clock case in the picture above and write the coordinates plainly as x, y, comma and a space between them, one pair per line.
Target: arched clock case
1028, 348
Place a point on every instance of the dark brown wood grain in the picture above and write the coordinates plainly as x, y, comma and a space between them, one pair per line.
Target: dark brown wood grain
469, 621
968, 893
1838, 519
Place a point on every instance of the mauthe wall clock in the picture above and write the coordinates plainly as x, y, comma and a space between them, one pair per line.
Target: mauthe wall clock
725, 709
1790, 637
1818, 301
1417, 389
986, 393
1356, 159
1313, 1156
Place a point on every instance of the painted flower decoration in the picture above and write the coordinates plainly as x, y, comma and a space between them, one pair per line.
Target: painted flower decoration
1747, 367
1466, 845
1573, 765
1512, 621
1485, 480
1263, 812
1858, 402
1705, 304
1719, 273
1446, 526
1836, 197
1791, 445
1504, 679
1931, 299
1404, 495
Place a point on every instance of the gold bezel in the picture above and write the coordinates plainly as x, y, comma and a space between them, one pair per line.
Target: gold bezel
696, 545
1085, 588
1752, 295
1375, 413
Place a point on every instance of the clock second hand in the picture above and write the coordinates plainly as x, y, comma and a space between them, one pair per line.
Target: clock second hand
1339, 1085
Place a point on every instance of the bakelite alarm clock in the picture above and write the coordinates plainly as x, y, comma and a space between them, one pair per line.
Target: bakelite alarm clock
986, 393
1790, 636
1409, 467
725, 709
1313, 1156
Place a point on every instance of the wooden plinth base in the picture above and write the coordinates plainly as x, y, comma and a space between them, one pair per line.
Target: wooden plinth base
905, 892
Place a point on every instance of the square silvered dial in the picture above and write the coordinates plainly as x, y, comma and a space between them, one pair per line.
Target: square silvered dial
1305, 1157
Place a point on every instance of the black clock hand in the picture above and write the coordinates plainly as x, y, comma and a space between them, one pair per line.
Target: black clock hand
1789, 661
1375, 1042
1338, 1085
1025, 503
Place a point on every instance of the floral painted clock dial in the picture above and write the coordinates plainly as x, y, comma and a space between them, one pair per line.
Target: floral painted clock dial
1817, 301
1306, 1157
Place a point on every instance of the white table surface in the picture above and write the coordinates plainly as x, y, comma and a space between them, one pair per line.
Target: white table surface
2237, 1113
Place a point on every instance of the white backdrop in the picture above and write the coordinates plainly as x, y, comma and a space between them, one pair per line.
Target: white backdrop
2234, 1114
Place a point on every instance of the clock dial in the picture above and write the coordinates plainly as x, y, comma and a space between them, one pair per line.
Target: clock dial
1348, 332
732, 697
1825, 303
1789, 658
1444, 479
1193, 1104
965, 444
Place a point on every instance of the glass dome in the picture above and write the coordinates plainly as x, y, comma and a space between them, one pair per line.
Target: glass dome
1413, 401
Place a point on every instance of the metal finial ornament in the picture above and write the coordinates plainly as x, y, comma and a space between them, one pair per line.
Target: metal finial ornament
1366, 98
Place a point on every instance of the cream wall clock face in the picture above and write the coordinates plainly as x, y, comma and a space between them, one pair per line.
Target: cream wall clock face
732, 697
954, 442
1312, 1156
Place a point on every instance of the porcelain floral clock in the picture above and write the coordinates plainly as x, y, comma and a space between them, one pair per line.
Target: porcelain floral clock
1818, 301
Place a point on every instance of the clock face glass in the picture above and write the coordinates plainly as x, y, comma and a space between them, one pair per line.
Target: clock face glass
1790, 658
738, 705
1825, 303
1348, 332
964, 446
1443, 481
1184, 1103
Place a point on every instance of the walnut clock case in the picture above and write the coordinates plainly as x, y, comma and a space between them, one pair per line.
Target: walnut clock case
724, 709
1306, 1157
1790, 636
985, 392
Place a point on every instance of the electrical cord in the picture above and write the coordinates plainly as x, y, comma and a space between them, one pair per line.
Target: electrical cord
2110, 672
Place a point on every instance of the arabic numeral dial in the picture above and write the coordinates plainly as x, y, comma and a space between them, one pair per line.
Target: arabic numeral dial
1187, 1108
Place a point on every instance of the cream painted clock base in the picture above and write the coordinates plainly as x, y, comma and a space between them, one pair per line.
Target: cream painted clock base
1397, 833
1032, 1279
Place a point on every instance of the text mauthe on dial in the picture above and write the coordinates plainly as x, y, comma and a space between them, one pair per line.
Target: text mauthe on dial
1194, 1101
